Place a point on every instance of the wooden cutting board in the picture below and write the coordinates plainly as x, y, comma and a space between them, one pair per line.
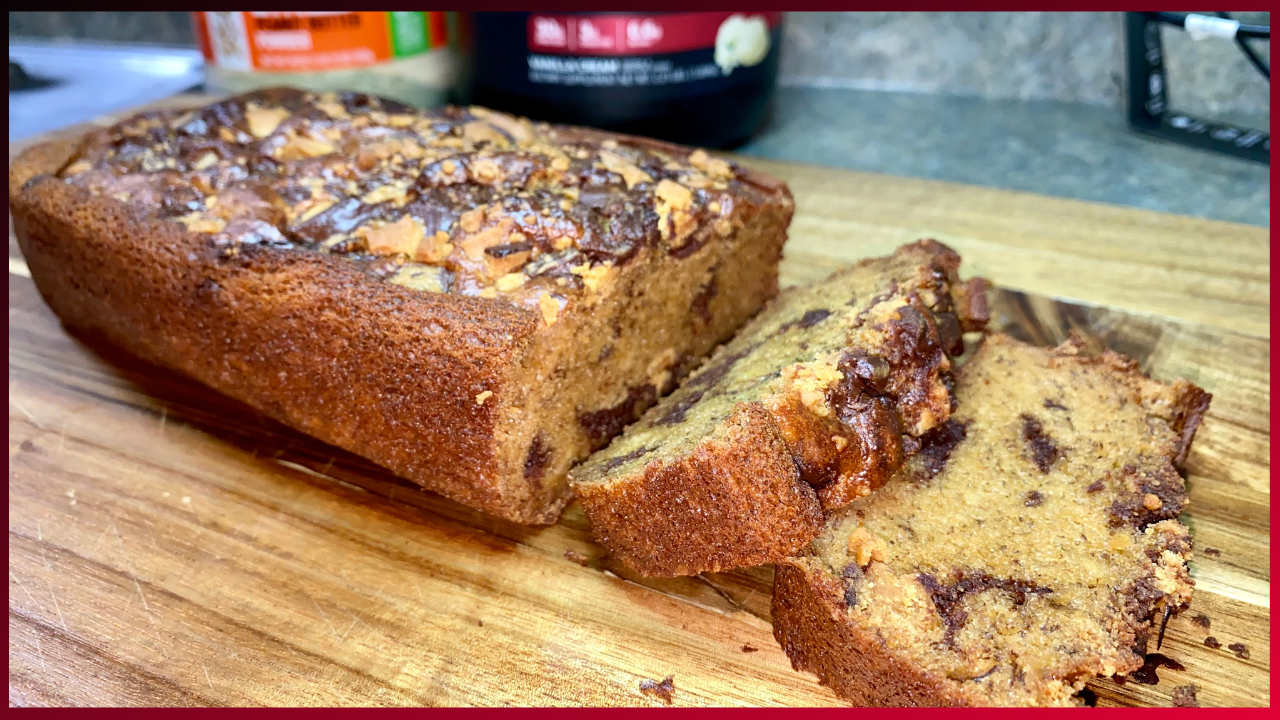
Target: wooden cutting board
168, 546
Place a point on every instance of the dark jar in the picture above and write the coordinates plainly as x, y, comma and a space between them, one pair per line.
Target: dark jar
697, 78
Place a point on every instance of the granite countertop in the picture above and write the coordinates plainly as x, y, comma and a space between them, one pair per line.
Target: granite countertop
1072, 150
1050, 147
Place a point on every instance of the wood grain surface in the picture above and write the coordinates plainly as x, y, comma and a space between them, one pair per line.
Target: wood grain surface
168, 546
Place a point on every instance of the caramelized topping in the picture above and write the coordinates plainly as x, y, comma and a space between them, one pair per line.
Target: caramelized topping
500, 206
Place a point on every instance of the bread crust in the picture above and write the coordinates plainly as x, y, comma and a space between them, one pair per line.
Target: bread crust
810, 621
421, 383
744, 478
386, 372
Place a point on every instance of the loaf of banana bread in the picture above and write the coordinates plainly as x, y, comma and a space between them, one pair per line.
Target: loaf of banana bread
815, 403
1031, 545
470, 299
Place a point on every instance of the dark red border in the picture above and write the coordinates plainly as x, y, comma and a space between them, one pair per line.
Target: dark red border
727, 713
736, 713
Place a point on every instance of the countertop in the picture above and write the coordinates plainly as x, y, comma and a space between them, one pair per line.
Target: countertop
1069, 150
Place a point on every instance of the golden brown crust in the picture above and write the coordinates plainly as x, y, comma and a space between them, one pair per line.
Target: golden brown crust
744, 478
294, 334
428, 384
811, 622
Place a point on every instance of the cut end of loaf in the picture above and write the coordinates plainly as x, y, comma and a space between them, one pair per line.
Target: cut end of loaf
1060, 479
844, 376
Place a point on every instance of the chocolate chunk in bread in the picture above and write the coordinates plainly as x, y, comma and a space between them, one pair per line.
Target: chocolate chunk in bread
814, 404
997, 579
470, 299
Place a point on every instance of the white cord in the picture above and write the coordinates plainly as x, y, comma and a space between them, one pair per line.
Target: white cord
1200, 27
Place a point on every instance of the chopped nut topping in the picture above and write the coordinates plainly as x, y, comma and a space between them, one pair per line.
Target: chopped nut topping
330, 148
1151, 502
517, 128
333, 109
864, 547
206, 160
77, 167
631, 174
400, 237
196, 222
674, 201
697, 181
478, 131
182, 119
486, 172
550, 308
809, 383
673, 196
718, 168
314, 208
332, 240
383, 193
369, 156
475, 245
264, 121
715, 167
483, 396
426, 278
434, 248
659, 368
592, 276
472, 219
301, 147
510, 281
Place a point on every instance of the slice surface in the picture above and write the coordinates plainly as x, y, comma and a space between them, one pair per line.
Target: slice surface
815, 403
1031, 546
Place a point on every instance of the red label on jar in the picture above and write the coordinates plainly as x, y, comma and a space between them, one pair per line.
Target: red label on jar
634, 34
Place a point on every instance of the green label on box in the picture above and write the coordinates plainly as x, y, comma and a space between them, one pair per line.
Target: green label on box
408, 33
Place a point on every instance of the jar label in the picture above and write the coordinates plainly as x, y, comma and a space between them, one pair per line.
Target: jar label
315, 41
639, 50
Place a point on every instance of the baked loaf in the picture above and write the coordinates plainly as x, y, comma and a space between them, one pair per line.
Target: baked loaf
470, 299
815, 403
1031, 545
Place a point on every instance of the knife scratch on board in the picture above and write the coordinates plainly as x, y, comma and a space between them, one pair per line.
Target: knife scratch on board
32, 598
58, 607
323, 614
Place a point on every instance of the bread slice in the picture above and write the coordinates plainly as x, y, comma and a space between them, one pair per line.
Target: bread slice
1032, 545
813, 404
470, 299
